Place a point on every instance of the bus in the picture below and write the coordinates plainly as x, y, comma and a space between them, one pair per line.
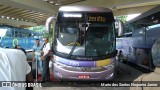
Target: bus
137, 46
11, 36
84, 45
119, 41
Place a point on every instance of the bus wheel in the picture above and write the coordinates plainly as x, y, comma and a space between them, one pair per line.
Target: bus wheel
141, 56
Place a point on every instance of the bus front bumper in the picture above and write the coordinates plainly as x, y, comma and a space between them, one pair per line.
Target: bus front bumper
64, 74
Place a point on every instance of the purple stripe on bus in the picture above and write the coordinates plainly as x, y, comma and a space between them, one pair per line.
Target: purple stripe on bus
76, 62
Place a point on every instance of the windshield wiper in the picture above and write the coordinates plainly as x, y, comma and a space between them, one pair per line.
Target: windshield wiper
73, 48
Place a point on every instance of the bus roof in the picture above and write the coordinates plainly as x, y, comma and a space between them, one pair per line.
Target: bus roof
83, 9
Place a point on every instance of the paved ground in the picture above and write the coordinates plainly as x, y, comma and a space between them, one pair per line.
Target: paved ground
124, 73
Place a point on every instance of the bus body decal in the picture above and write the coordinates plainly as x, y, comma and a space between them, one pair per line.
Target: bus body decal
77, 63
15, 40
103, 62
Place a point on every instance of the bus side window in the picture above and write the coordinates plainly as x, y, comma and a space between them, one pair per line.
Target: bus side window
16, 33
27, 33
9, 33
30, 35
20, 33
24, 34
35, 35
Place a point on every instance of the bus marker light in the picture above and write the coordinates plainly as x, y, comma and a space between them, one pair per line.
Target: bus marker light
84, 76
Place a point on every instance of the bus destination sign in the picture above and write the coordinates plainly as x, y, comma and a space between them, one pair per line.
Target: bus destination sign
99, 18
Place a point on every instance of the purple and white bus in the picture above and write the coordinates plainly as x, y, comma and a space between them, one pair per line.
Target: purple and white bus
84, 43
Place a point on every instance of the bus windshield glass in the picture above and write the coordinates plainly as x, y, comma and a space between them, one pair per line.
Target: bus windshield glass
84, 34
99, 39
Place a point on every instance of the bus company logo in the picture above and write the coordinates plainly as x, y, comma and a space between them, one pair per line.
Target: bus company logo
80, 58
83, 58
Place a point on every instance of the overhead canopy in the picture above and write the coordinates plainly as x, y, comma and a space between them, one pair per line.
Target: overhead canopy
29, 12
148, 18
35, 12
150, 15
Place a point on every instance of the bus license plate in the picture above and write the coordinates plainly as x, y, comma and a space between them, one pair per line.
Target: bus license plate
84, 76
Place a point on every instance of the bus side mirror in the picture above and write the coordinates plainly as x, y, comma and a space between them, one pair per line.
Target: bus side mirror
48, 24
120, 26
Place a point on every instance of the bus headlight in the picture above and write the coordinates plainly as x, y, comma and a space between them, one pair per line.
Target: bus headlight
110, 66
58, 74
109, 76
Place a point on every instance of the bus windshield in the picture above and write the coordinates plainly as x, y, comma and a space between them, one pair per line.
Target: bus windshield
99, 40
79, 37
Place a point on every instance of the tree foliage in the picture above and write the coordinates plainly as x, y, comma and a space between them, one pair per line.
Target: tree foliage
123, 18
41, 29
